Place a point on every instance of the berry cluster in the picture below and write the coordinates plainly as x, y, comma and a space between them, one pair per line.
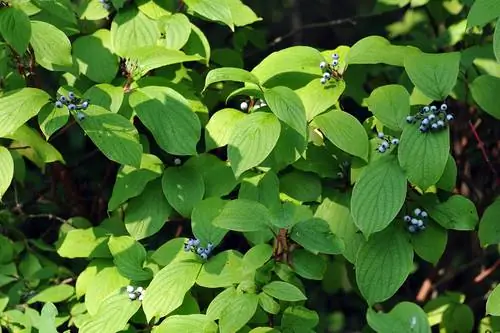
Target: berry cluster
330, 70
106, 4
135, 293
386, 142
193, 245
416, 222
73, 103
256, 105
431, 118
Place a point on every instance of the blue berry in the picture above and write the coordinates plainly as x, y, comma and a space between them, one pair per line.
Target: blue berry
139, 290
204, 256
417, 211
425, 121
433, 108
440, 123
425, 109
130, 289
196, 242
323, 80
132, 296
419, 223
414, 221
63, 99
335, 62
449, 117
187, 248
322, 65
85, 104
80, 115
71, 95
210, 246
423, 128
434, 126
335, 56
102, 1
381, 149
444, 107
59, 104
190, 242
381, 135
327, 76
432, 117
412, 229
407, 218
384, 144
395, 141
410, 119
200, 250
423, 214
72, 107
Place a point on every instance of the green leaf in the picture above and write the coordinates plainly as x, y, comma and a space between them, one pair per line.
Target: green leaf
284, 291
177, 29
484, 90
51, 119
220, 302
204, 212
257, 256
244, 216
223, 270
301, 186
152, 57
376, 50
242, 15
18, 107
113, 134
6, 170
113, 315
52, 47
264, 329
15, 28
315, 235
318, 98
220, 127
458, 318
289, 214
167, 114
131, 182
41, 150
433, 74
482, 12
489, 229
449, 178
131, 29
308, 265
239, 311
268, 304
457, 213
288, 107
217, 175
53, 294
94, 56
47, 323
423, 156
345, 132
496, 41
230, 74
172, 251
187, 323
183, 187
404, 317
105, 95
378, 195
198, 44
390, 104
299, 319
289, 148
129, 257
213, 10
92, 10
168, 288
84, 243
493, 302
430, 244
254, 140
263, 188
383, 264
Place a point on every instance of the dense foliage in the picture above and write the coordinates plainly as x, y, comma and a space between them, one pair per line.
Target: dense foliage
151, 180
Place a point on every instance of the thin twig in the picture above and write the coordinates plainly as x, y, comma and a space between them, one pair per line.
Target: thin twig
487, 272
480, 145
47, 216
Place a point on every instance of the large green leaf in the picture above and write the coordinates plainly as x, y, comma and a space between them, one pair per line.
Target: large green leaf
405, 317
315, 235
433, 74
51, 119
204, 212
254, 140
496, 40
187, 323
430, 245
113, 314
94, 57
84, 243
489, 230
220, 302
263, 188
493, 302
198, 44
378, 195
52, 47
168, 288
130, 181
220, 127
152, 57
383, 264
344, 131
318, 98
223, 270
423, 156
301, 186
47, 323
54, 294
213, 10
18, 107
482, 12
6, 170
457, 213
113, 134
239, 311
105, 95
183, 187
129, 257
484, 90
15, 28
390, 104
376, 50
131, 29
257, 256
449, 178
299, 319
230, 74
177, 29
308, 265
284, 291
288, 107
167, 114
241, 13
172, 251
244, 216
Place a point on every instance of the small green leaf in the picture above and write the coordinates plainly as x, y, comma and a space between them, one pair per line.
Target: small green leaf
129, 257
404, 317
289, 214
6, 170
18, 107
430, 244
220, 302
168, 288
223, 270
152, 57
433, 74
47, 323
41, 150
423, 156
318, 98
105, 95
172, 251
458, 318
253, 141
493, 302
220, 127
308, 265
187, 323
177, 29
183, 187
263, 188
204, 212
239, 311
84, 243
345, 132
198, 44
242, 14
113, 134
449, 178
482, 12
167, 114
213, 10
52, 47
457, 213
230, 74
383, 264
489, 228
288, 107
484, 90
244, 216
15, 28
51, 119
378, 195
301, 186
53, 294
299, 319
257, 256
284, 291
315, 235
390, 104
376, 50
268, 304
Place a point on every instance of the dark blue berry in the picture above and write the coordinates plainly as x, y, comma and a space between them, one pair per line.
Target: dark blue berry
381, 149
434, 126
440, 123
395, 141
425, 109
327, 76
425, 121
71, 95
423, 128
449, 117
323, 80
85, 105
335, 56
433, 108
381, 135
80, 115
204, 256
417, 211
335, 62
63, 99
412, 229
444, 107
384, 144
59, 104
423, 214
322, 65
407, 218
410, 119
200, 250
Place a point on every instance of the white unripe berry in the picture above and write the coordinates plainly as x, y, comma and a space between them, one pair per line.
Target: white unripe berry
381, 135
177, 161
141, 297
417, 211
444, 107
139, 290
322, 65
244, 106
425, 109
132, 296
130, 289
323, 80
423, 214
335, 62
335, 56
433, 108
